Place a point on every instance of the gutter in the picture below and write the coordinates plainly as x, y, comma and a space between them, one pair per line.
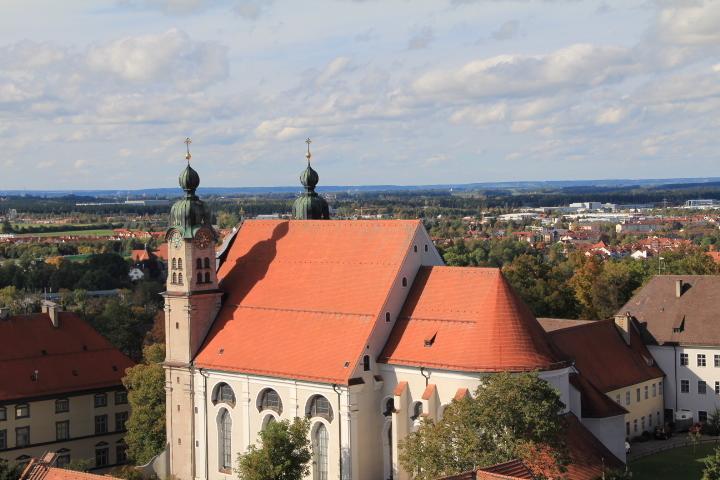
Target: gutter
338, 390
207, 462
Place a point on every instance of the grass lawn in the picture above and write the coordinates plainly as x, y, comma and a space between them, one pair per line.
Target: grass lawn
677, 464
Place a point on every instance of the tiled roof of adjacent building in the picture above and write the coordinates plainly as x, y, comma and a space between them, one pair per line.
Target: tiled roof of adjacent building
39, 469
602, 356
302, 297
550, 324
37, 359
690, 319
468, 319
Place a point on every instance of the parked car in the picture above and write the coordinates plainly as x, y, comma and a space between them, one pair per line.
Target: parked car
662, 432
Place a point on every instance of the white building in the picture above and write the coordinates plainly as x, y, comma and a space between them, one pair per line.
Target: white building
678, 314
353, 324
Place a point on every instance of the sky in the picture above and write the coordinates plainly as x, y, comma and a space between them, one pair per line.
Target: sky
101, 94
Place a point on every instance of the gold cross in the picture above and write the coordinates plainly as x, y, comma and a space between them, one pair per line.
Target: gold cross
187, 144
308, 155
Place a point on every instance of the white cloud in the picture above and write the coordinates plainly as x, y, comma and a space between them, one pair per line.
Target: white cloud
168, 57
481, 115
333, 69
611, 116
696, 23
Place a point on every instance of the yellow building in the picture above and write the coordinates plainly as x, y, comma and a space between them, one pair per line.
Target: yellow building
612, 356
60, 390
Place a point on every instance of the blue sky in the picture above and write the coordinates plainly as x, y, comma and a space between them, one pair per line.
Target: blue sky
101, 94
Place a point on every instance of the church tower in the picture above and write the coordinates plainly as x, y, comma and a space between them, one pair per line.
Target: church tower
309, 205
192, 300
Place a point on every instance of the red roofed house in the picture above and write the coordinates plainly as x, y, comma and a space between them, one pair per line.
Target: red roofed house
354, 324
60, 390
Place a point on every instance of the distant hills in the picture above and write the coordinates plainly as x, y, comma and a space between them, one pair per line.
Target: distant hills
664, 183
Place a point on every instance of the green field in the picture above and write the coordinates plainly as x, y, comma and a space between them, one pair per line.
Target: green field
85, 233
678, 464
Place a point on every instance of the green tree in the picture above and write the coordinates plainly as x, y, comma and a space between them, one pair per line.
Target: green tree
7, 472
507, 412
284, 453
145, 383
712, 466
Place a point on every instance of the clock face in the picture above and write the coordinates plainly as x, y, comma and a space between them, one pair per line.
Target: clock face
203, 239
175, 239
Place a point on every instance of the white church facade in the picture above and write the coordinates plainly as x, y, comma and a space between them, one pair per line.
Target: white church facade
356, 325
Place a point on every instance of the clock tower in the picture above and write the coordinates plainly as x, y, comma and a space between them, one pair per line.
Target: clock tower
192, 300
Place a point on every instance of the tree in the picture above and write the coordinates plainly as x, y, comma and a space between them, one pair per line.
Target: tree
507, 412
145, 383
7, 472
284, 453
712, 466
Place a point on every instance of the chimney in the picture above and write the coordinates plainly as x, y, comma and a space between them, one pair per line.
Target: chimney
622, 322
53, 311
678, 288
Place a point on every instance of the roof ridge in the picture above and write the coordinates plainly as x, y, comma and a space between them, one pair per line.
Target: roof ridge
57, 355
428, 319
588, 324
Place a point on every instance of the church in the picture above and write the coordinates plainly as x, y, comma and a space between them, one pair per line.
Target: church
355, 324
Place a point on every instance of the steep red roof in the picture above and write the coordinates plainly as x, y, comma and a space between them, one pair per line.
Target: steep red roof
621, 365
39, 469
72, 357
467, 319
550, 324
303, 296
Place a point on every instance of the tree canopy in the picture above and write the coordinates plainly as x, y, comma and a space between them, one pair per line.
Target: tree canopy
509, 416
283, 454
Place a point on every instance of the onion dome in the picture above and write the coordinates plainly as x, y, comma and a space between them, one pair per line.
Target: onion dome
309, 205
189, 214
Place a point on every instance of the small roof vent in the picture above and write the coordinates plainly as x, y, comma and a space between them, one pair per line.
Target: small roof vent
430, 340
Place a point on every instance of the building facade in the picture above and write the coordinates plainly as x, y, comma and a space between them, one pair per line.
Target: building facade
355, 325
60, 390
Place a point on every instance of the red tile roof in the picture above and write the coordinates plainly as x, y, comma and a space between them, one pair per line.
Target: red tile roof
595, 404
76, 357
512, 469
39, 469
302, 297
621, 365
467, 319
550, 324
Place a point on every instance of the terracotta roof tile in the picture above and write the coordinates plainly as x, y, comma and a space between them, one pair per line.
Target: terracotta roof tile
551, 324
475, 321
72, 357
429, 390
461, 393
400, 388
621, 365
302, 297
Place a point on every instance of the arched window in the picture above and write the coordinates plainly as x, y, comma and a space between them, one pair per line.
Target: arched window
207, 262
426, 247
366, 363
225, 440
320, 452
269, 399
198, 264
174, 278
179, 263
207, 277
389, 407
319, 406
174, 264
180, 279
415, 248
416, 411
223, 393
199, 277
387, 317
404, 282
268, 420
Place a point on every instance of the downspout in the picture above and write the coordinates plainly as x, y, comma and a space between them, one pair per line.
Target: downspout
193, 459
338, 390
207, 462
427, 377
675, 360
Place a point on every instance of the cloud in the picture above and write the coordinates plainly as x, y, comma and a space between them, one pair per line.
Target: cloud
421, 38
507, 30
173, 7
168, 57
576, 66
690, 24
481, 115
611, 116
251, 9
333, 69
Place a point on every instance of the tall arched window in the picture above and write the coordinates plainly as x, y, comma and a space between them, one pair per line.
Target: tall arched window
207, 262
198, 264
366, 363
199, 278
404, 282
416, 411
179, 263
207, 277
319, 406
268, 420
320, 452
174, 278
225, 440
269, 400
389, 407
180, 279
223, 393
174, 264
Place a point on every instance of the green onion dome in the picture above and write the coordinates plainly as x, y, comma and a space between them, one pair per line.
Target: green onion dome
309, 205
